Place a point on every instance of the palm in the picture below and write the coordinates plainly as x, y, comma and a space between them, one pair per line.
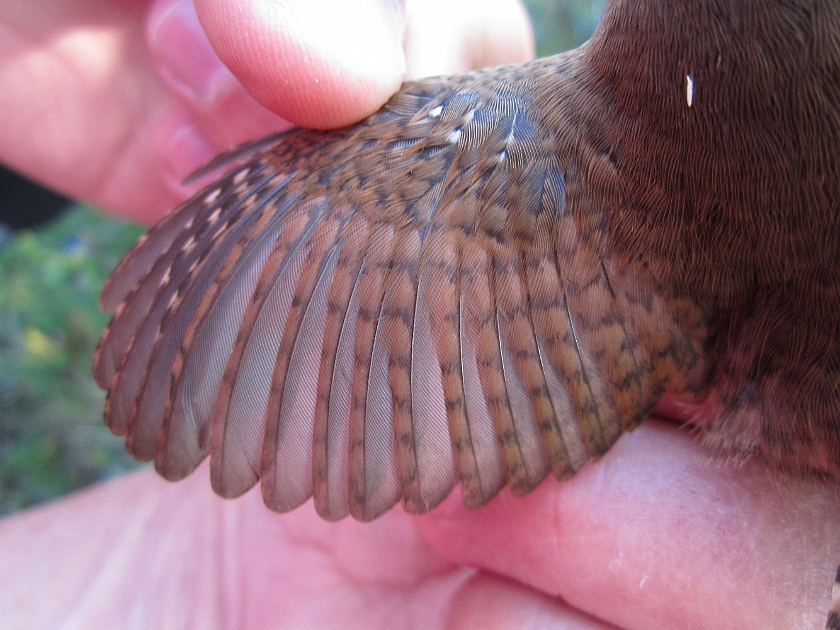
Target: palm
655, 535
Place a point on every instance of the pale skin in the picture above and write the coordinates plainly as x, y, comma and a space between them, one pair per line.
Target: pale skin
98, 101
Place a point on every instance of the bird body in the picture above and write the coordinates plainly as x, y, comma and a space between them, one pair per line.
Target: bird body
499, 273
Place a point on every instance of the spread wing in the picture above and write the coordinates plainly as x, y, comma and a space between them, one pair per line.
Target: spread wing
381, 312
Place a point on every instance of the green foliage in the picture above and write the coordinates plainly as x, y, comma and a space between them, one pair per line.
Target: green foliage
52, 439
562, 24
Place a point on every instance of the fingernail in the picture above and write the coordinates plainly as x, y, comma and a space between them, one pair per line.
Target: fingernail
186, 60
185, 150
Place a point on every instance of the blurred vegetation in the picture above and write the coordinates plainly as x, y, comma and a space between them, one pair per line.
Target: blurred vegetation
562, 24
52, 439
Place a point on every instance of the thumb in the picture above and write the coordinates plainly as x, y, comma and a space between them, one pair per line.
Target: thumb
317, 63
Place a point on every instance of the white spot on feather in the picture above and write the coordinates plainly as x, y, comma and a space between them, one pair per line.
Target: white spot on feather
211, 197
189, 245
689, 89
165, 277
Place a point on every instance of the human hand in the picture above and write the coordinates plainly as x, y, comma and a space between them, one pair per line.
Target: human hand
115, 102
655, 535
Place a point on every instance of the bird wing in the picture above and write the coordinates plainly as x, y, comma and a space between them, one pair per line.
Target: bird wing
376, 313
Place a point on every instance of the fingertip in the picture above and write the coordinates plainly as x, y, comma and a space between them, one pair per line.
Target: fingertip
317, 63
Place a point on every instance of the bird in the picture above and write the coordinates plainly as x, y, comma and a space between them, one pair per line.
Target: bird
499, 273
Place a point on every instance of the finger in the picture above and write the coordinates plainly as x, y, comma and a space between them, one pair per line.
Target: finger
321, 64
186, 61
657, 531
489, 601
329, 63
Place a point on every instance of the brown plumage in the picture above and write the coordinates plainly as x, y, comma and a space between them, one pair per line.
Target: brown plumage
498, 273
